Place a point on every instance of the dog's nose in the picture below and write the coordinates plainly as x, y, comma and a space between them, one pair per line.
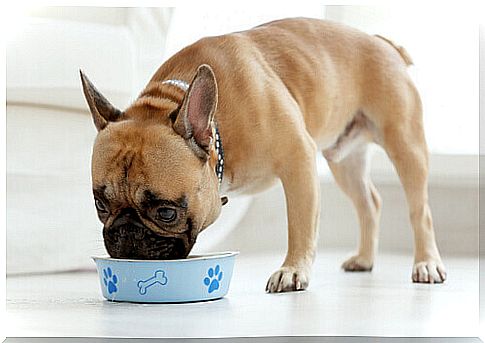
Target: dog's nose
127, 216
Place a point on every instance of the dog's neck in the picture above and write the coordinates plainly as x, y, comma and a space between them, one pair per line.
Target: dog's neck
219, 150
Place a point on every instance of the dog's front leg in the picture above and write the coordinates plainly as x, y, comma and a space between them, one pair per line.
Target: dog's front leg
298, 175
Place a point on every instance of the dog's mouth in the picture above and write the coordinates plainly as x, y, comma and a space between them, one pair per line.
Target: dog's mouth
138, 242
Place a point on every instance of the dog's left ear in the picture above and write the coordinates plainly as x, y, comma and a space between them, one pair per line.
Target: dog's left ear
194, 120
101, 109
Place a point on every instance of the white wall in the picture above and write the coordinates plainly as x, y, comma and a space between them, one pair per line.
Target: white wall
190, 23
443, 43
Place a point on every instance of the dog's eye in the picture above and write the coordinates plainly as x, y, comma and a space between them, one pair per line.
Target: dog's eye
166, 214
100, 206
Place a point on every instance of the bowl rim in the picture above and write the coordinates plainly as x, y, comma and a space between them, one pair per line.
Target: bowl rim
197, 257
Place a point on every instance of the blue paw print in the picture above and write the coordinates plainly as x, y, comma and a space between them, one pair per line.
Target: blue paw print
213, 279
110, 280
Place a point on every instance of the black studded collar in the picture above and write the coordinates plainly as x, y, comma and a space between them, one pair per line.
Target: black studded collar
220, 155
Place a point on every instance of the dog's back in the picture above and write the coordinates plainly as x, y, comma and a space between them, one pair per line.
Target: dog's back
329, 69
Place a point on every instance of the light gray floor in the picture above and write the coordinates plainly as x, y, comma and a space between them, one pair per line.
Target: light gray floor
381, 303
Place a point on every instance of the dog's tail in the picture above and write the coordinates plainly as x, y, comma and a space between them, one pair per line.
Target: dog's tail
404, 54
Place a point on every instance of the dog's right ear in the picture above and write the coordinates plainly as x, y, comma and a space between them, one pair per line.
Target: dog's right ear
102, 111
194, 121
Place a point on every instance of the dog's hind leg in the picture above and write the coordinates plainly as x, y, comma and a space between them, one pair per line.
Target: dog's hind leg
398, 118
352, 175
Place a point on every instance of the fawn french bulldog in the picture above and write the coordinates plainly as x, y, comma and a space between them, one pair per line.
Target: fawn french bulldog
235, 113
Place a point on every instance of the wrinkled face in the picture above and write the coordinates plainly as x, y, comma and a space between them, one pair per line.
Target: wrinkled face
153, 175
152, 193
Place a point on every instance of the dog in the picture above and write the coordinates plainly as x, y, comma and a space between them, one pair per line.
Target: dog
234, 114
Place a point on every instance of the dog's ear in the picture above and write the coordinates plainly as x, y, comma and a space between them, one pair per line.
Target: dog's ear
194, 120
102, 111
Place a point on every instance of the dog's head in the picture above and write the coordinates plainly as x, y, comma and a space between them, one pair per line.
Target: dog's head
153, 174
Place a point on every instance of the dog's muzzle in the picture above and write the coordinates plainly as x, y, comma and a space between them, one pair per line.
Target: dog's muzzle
128, 238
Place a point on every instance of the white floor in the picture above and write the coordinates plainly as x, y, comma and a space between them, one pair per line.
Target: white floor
381, 303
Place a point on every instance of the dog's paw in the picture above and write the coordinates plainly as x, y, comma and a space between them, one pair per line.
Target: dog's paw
358, 263
429, 271
287, 279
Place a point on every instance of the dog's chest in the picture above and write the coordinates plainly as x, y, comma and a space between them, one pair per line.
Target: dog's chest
247, 184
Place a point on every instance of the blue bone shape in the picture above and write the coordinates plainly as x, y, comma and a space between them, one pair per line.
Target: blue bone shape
158, 277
